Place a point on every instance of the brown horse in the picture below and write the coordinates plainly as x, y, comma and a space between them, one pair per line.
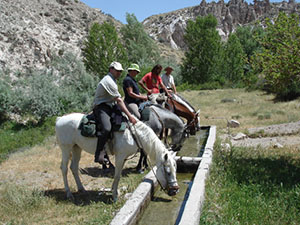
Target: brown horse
181, 107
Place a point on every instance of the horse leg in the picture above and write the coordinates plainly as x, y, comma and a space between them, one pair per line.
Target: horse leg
139, 165
66, 151
166, 136
145, 161
118, 169
76, 154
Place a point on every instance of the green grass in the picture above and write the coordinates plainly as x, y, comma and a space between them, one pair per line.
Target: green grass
245, 186
23, 205
253, 186
15, 136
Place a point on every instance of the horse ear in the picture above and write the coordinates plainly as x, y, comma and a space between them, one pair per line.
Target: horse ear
166, 157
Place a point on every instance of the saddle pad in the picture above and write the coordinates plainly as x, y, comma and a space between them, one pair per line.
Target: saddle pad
119, 128
87, 127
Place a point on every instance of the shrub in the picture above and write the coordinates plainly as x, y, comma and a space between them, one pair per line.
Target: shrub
279, 60
5, 96
64, 87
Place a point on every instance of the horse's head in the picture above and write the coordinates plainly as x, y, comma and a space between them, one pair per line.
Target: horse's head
178, 138
166, 174
197, 120
194, 125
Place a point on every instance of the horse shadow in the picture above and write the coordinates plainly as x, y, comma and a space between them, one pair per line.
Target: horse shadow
105, 172
97, 172
81, 198
89, 196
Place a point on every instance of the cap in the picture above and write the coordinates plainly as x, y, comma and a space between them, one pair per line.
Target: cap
116, 66
135, 67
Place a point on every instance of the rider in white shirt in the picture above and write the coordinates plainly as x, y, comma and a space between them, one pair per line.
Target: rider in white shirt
168, 80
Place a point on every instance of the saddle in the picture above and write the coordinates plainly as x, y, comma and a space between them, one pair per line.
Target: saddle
89, 128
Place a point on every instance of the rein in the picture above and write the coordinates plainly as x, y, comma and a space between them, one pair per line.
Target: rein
140, 147
162, 124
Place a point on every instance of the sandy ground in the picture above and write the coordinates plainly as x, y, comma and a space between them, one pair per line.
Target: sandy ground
39, 167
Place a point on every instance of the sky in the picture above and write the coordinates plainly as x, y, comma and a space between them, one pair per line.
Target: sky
143, 8
140, 8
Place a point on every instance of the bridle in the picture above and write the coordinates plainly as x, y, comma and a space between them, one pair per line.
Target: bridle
166, 170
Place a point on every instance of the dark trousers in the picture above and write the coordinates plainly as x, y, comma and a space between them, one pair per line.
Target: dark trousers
102, 114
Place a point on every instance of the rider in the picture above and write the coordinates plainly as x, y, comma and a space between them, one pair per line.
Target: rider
131, 90
168, 80
151, 81
107, 95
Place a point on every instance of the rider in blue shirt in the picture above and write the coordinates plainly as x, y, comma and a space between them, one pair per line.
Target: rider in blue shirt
131, 90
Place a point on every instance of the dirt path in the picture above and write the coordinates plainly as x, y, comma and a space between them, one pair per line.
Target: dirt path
279, 135
39, 167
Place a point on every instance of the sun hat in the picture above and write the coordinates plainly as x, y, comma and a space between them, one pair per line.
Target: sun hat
116, 66
135, 67
168, 68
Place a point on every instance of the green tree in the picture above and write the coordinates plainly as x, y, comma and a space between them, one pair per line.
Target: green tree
247, 36
140, 47
102, 47
202, 59
234, 60
279, 61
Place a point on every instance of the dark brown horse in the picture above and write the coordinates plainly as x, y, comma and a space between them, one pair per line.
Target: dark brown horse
181, 107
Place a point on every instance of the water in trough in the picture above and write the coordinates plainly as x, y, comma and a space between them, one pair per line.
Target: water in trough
164, 209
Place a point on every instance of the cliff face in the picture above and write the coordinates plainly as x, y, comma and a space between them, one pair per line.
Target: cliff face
169, 28
32, 31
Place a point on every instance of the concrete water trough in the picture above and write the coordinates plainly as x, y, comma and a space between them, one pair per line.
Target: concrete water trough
190, 210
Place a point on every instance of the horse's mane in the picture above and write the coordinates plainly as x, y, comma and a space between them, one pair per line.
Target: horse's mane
148, 134
179, 97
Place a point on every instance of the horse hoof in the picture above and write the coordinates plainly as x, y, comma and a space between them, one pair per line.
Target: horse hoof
82, 191
70, 197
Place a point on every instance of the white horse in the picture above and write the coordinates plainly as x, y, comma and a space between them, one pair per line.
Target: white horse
122, 146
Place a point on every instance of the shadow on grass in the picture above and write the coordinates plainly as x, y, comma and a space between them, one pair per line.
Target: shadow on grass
81, 198
89, 196
160, 199
108, 172
283, 172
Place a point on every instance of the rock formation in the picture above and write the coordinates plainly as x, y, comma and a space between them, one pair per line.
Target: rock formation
32, 31
169, 28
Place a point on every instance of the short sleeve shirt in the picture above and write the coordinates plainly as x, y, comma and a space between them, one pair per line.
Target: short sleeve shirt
130, 82
167, 80
107, 91
152, 82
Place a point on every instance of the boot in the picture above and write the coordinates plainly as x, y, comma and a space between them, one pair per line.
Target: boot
100, 154
100, 158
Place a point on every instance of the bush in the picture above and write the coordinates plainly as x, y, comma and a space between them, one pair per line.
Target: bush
279, 60
64, 87
5, 96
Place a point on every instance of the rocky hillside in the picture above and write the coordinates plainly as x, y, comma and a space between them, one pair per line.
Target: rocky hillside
31, 31
169, 28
